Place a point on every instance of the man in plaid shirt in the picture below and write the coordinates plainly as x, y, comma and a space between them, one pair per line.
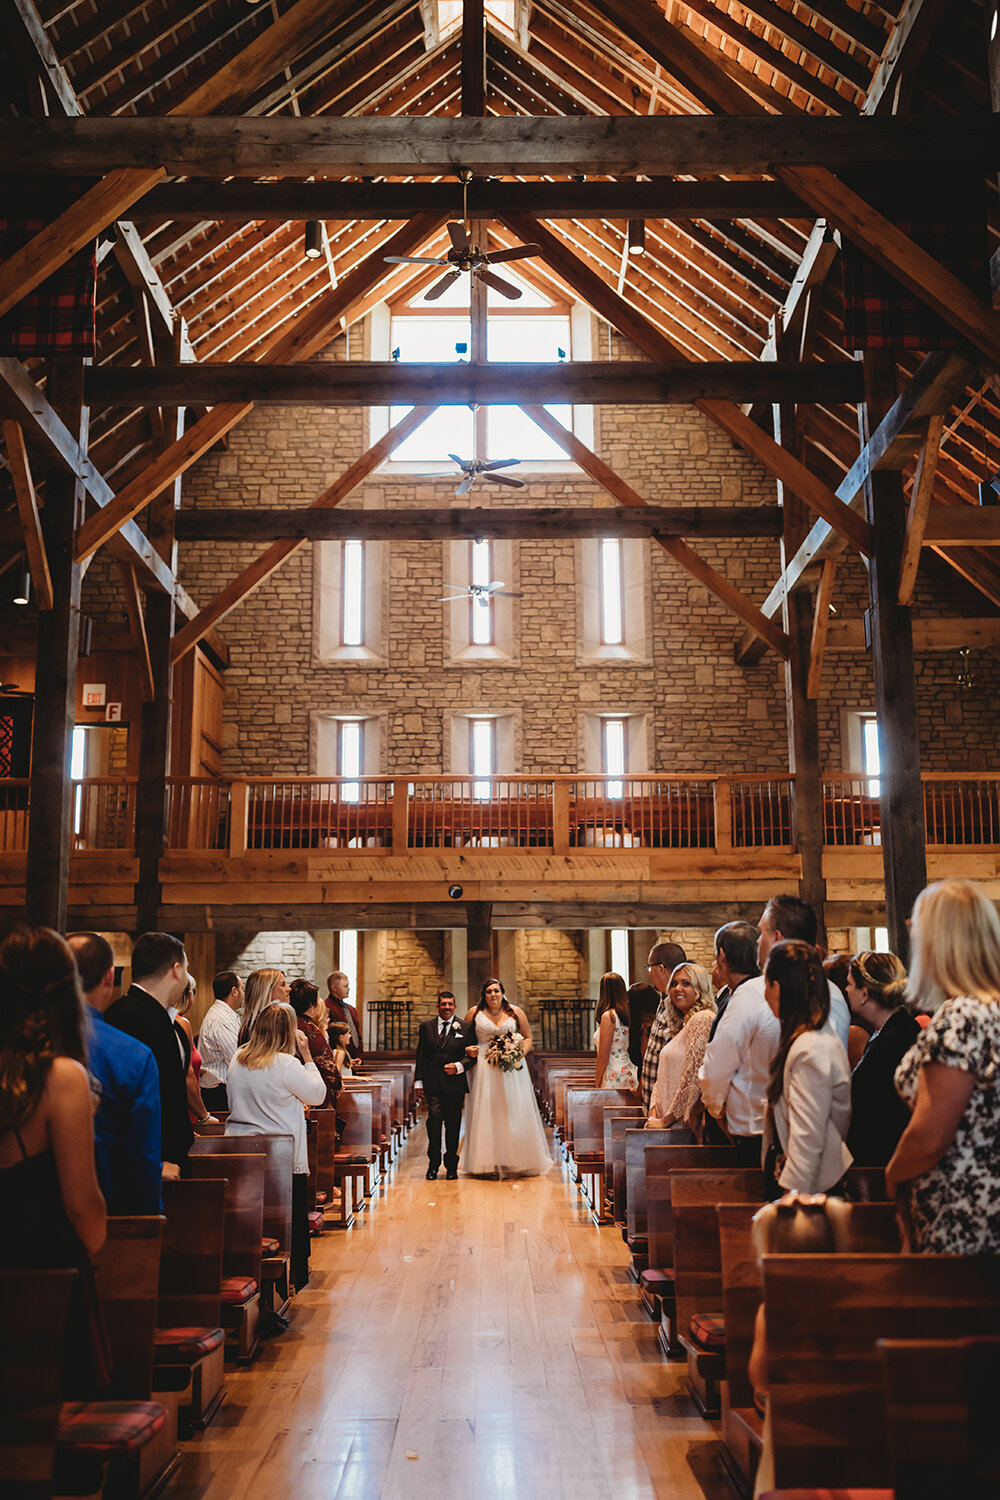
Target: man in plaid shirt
663, 959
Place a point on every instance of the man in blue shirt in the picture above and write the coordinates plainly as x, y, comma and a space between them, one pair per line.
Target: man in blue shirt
127, 1122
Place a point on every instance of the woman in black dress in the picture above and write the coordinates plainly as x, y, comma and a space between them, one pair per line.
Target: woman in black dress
50, 1202
876, 984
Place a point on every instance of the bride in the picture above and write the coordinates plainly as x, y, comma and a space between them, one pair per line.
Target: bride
503, 1135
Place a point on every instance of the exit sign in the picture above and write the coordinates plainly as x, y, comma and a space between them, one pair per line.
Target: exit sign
94, 694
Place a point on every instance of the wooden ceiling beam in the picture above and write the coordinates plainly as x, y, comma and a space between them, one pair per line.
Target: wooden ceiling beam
304, 338
770, 55
226, 88
240, 202
657, 145
27, 510
383, 383
728, 417
253, 576
907, 42
473, 58
800, 31
928, 635
499, 522
674, 546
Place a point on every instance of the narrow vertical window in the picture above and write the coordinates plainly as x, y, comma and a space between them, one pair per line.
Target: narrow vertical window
350, 759
482, 757
480, 574
77, 771
612, 593
869, 748
613, 755
352, 595
619, 952
347, 962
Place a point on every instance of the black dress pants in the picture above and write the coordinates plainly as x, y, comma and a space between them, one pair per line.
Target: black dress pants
444, 1110
299, 1258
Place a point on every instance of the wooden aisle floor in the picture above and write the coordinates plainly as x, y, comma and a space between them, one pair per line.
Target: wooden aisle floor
463, 1339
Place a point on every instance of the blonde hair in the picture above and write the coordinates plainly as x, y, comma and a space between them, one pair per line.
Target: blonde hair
257, 997
956, 945
702, 981
273, 1032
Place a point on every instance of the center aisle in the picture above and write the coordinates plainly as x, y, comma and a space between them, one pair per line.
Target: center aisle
463, 1339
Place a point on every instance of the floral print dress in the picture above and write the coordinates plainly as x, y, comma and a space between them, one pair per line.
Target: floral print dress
621, 1070
955, 1207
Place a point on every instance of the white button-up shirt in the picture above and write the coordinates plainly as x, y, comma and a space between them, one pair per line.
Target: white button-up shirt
737, 1066
217, 1042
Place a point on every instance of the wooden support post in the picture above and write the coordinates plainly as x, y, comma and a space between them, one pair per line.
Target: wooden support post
801, 710
400, 815
479, 946
239, 797
154, 749
50, 826
920, 504
473, 57
723, 815
904, 852
560, 816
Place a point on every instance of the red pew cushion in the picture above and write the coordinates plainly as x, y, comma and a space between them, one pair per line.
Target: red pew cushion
659, 1282
181, 1346
236, 1289
269, 1246
109, 1429
708, 1330
316, 1221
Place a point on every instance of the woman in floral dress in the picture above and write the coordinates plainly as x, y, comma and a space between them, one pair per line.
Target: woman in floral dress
615, 1069
945, 1172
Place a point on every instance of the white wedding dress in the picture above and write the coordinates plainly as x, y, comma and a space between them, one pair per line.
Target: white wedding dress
503, 1131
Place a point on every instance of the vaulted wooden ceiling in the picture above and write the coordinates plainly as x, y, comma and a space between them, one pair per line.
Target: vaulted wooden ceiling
714, 287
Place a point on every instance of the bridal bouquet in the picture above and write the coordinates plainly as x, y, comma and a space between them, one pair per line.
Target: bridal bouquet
506, 1052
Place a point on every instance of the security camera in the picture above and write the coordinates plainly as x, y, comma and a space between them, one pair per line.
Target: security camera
455, 892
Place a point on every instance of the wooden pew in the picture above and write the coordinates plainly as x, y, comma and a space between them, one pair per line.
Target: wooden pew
698, 1270
825, 1316
873, 1228
632, 1113
403, 1068
380, 1094
539, 1064
660, 1160
585, 1106
560, 1080
34, 1310
276, 1232
620, 1122
940, 1396
127, 1273
355, 1158
241, 1255
189, 1300
637, 1143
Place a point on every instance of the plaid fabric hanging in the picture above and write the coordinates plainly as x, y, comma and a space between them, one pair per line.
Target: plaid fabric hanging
59, 316
879, 312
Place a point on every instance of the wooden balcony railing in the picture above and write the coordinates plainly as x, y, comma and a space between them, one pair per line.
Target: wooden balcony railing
381, 815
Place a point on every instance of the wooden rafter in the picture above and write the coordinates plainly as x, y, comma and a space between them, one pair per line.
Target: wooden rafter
821, 626
727, 416
27, 509
137, 630
253, 576
500, 523
305, 338
679, 550
920, 504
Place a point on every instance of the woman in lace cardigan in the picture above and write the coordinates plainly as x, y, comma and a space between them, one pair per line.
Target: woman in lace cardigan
676, 1096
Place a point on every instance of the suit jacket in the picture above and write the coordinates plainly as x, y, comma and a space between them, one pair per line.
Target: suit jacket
346, 1015
143, 1017
813, 1113
434, 1051
878, 1115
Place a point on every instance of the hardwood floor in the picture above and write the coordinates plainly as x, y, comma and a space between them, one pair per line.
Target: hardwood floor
464, 1339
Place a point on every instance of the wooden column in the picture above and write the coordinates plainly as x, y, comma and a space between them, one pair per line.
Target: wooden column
801, 710
904, 852
479, 946
154, 748
50, 825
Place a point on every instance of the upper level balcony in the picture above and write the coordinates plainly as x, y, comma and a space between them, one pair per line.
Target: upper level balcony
682, 841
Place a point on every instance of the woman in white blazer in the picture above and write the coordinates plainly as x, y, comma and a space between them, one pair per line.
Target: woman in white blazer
809, 1094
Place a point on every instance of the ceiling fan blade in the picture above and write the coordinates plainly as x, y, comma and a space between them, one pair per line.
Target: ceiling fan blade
512, 293
462, 462
500, 463
514, 484
466, 484
516, 252
440, 287
415, 260
457, 235
439, 474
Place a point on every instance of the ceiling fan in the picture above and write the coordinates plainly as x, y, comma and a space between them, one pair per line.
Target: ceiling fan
476, 468
465, 256
482, 593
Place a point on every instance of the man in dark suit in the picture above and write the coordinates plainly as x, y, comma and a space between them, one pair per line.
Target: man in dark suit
442, 1075
159, 979
341, 1014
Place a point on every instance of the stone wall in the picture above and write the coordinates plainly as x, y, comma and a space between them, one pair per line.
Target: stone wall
292, 952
